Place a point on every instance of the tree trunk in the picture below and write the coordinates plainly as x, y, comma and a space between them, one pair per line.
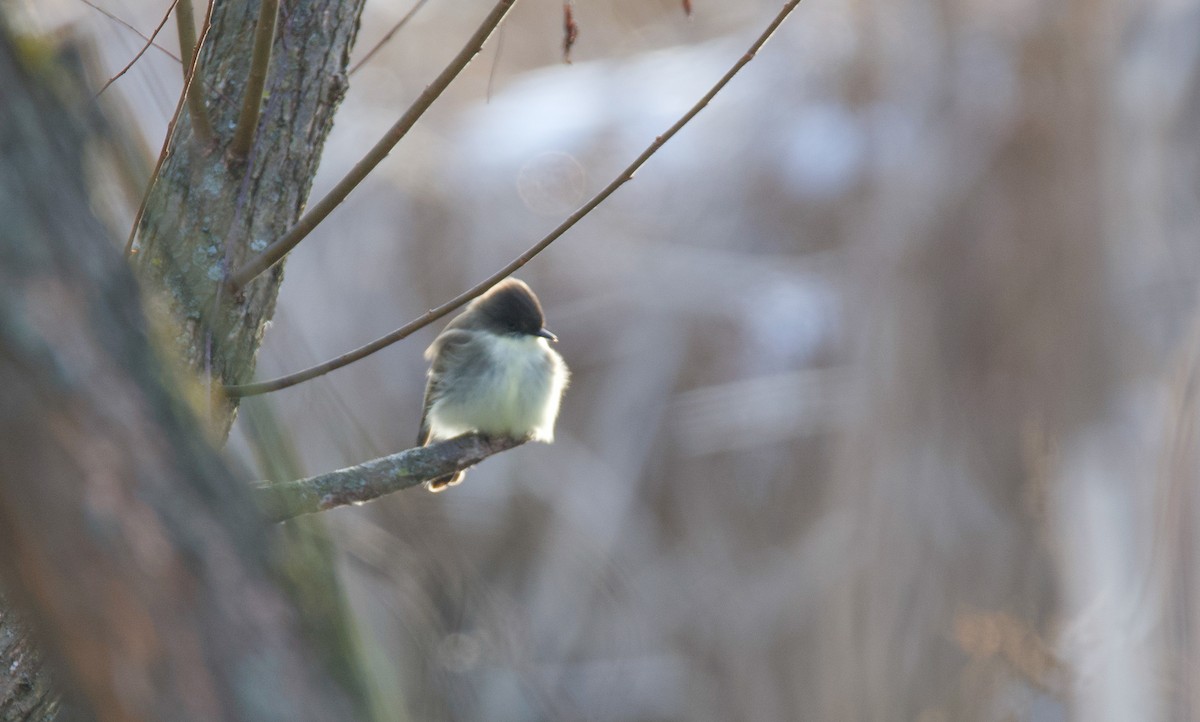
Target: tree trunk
209, 212
25, 692
132, 550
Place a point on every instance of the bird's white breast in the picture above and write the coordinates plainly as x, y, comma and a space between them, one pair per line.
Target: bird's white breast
518, 397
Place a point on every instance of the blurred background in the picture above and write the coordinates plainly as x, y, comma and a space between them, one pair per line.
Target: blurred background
885, 368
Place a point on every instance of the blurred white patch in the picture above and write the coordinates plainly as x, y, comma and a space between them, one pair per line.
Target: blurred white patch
790, 318
629, 101
552, 184
1108, 599
567, 107
825, 151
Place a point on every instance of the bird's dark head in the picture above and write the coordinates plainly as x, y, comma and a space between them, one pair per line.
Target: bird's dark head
511, 308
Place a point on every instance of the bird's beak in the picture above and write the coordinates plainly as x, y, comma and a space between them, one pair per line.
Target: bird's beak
547, 335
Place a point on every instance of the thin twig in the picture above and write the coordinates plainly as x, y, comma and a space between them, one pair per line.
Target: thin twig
139, 33
260, 63
570, 30
166, 147
478, 290
388, 35
374, 157
185, 23
378, 477
495, 64
140, 53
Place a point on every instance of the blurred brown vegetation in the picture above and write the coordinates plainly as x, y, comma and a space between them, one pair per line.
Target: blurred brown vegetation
884, 370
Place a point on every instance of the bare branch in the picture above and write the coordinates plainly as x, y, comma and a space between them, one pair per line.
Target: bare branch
140, 53
378, 477
388, 35
137, 32
434, 314
185, 22
374, 157
260, 63
162, 155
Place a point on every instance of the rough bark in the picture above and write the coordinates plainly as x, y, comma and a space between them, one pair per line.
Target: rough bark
209, 212
135, 554
25, 692
377, 477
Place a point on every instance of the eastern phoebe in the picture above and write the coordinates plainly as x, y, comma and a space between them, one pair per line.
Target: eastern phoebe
493, 372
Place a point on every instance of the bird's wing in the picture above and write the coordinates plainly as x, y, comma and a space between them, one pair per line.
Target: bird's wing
441, 352
430, 395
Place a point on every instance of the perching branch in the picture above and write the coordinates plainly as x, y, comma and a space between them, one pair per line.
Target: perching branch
374, 157
388, 35
434, 314
375, 478
140, 53
185, 23
260, 62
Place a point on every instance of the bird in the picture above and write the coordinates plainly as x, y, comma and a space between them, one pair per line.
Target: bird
492, 372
